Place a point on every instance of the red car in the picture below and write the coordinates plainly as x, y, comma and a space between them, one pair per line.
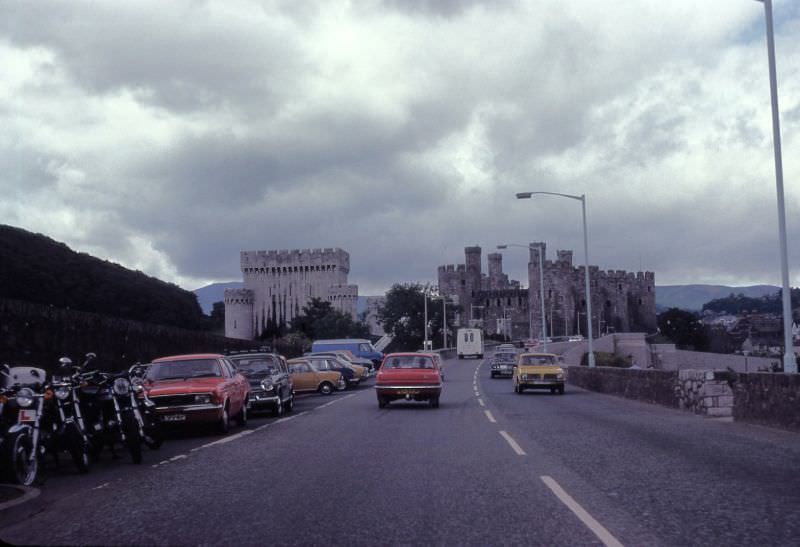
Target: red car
409, 376
199, 388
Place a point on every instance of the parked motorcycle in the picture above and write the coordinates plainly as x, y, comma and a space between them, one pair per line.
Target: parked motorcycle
151, 432
21, 410
66, 428
111, 412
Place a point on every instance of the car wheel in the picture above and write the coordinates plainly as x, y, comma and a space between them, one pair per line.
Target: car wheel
224, 423
561, 390
288, 406
278, 410
241, 418
494, 376
382, 402
434, 402
326, 388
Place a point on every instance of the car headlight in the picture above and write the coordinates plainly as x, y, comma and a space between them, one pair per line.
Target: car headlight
122, 386
202, 399
560, 376
494, 366
25, 397
267, 385
62, 392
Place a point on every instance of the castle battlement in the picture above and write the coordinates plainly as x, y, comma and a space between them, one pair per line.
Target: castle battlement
238, 296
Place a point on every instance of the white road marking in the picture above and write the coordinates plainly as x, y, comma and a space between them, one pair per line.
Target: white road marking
101, 486
292, 417
480, 402
154, 465
513, 444
337, 400
489, 416
165, 462
178, 457
477, 394
598, 529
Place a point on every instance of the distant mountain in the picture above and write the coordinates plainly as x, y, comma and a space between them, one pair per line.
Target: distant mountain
692, 297
215, 292
35, 268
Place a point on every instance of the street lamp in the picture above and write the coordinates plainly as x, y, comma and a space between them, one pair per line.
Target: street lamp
541, 292
582, 199
443, 298
789, 361
425, 299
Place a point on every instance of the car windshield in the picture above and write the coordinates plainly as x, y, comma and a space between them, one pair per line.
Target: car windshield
505, 356
409, 361
256, 366
537, 360
193, 368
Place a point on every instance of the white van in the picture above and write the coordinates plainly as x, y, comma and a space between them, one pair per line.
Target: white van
469, 343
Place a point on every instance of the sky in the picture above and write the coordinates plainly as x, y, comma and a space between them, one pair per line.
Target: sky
170, 136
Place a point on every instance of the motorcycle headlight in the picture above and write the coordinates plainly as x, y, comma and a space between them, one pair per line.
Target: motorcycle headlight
202, 399
122, 386
62, 392
25, 397
267, 385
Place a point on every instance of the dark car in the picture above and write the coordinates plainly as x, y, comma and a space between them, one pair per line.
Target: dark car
502, 363
270, 383
335, 364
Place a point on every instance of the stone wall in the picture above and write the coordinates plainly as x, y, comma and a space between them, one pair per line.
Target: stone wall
705, 392
34, 334
767, 399
652, 386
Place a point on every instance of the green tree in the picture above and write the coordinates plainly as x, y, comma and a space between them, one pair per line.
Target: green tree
683, 328
216, 320
319, 319
403, 316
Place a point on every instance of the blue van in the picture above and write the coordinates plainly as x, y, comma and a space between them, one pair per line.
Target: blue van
358, 346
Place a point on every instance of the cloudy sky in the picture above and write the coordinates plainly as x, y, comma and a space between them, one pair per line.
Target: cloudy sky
168, 136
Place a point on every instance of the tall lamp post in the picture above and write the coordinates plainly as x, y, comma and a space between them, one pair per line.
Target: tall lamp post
789, 361
425, 299
582, 199
541, 292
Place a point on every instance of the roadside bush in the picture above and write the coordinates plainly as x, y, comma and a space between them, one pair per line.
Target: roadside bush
604, 359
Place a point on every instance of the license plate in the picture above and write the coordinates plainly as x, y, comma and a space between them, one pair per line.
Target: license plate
409, 391
173, 418
27, 415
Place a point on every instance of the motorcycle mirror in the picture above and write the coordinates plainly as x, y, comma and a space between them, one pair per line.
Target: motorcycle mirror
65, 362
90, 356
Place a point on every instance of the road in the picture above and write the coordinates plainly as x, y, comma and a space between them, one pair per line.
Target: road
488, 467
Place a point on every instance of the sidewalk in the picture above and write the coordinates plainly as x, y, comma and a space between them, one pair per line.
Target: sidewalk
18, 503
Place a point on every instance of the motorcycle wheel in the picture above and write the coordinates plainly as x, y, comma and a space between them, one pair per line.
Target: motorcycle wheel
78, 449
22, 470
153, 438
133, 440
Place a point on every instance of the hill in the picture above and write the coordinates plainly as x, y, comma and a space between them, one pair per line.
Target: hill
692, 297
35, 268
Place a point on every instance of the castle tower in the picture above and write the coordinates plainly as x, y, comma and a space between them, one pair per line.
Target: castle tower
239, 321
495, 271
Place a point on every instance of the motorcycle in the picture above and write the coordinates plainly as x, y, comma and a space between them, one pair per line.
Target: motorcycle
67, 428
151, 428
112, 414
21, 409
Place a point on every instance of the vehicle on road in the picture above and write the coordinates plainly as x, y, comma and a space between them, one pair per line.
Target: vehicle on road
359, 346
576, 338
408, 376
306, 378
506, 347
271, 385
198, 388
538, 371
335, 364
469, 343
502, 363
361, 372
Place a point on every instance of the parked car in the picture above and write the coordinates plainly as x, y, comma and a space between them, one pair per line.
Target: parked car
356, 360
334, 363
307, 378
538, 371
359, 346
409, 376
198, 388
270, 383
362, 372
502, 363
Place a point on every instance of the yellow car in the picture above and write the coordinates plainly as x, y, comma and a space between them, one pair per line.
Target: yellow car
307, 378
538, 371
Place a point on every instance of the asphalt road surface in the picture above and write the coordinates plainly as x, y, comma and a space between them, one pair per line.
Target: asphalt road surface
489, 467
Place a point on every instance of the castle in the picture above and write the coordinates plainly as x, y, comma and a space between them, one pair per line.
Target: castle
278, 284
621, 301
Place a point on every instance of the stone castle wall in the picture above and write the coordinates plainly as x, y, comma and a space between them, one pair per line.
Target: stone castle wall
280, 284
621, 301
